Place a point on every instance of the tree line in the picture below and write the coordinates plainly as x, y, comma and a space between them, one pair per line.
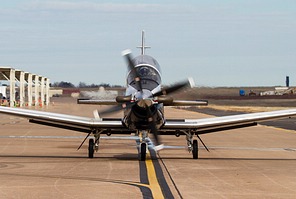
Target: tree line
64, 84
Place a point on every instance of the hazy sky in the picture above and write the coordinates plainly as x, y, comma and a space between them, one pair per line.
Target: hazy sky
218, 43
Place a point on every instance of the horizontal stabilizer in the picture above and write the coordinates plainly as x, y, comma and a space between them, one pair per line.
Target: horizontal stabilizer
97, 102
187, 103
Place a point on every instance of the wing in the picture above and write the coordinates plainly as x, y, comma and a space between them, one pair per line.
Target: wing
97, 102
71, 122
209, 125
170, 102
187, 103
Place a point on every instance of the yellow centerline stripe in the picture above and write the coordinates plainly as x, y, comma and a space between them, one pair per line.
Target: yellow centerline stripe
153, 182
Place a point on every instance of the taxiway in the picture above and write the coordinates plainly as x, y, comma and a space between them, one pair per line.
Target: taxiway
42, 162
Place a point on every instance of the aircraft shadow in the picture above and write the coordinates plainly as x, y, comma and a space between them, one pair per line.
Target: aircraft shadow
42, 156
134, 156
238, 158
126, 156
82, 178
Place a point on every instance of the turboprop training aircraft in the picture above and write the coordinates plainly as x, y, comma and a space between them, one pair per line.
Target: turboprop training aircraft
143, 107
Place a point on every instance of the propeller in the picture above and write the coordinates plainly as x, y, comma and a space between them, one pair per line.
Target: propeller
114, 109
153, 127
132, 68
160, 96
175, 87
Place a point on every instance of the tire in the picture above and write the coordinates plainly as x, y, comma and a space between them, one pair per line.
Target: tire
195, 150
143, 152
91, 148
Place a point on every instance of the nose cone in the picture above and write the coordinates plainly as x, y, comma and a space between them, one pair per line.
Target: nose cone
144, 103
145, 94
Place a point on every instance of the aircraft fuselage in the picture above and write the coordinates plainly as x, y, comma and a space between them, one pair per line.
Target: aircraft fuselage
146, 110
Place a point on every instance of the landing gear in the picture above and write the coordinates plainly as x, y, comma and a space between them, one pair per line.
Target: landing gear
97, 140
93, 144
143, 151
192, 144
143, 134
195, 149
91, 150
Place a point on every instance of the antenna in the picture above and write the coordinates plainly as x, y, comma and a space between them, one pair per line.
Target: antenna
143, 47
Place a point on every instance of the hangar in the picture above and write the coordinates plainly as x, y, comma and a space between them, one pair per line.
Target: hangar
24, 88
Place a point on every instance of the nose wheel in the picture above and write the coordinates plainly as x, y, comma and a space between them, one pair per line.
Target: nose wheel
142, 147
142, 153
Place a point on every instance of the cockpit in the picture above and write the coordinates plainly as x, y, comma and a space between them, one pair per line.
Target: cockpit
148, 70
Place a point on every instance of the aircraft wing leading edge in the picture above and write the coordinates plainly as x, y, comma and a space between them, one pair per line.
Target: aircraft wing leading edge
97, 102
201, 126
209, 125
65, 121
172, 103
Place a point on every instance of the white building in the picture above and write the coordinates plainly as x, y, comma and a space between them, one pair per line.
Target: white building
32, 89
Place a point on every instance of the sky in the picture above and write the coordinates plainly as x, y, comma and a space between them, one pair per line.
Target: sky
216, 42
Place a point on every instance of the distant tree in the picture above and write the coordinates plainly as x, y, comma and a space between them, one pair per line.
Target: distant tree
55, 84
82, 85
93, 86
66, 85
116, 86
63, 84
105, 85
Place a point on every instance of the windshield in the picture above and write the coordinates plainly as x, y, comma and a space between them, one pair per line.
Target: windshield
145, 72
150, 77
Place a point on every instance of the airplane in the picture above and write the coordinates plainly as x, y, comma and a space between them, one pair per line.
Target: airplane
143, 112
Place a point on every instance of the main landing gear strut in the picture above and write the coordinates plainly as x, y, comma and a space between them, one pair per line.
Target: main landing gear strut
93, 144
192, 144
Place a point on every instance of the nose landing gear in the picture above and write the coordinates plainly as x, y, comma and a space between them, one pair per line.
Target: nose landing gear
142, 153
143, 145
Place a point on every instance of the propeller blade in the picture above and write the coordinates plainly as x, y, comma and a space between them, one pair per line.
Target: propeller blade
153, 127
175, 87
166, 100
132, 68
123, 99
115, 109
154, 132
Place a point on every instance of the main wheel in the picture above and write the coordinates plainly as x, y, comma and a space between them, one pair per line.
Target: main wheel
91, 148
143, 152
195, 149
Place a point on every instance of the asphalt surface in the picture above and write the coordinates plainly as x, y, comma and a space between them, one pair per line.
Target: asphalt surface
42, 162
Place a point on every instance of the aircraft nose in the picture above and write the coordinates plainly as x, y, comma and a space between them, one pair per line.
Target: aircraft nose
144, 94
144, 103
